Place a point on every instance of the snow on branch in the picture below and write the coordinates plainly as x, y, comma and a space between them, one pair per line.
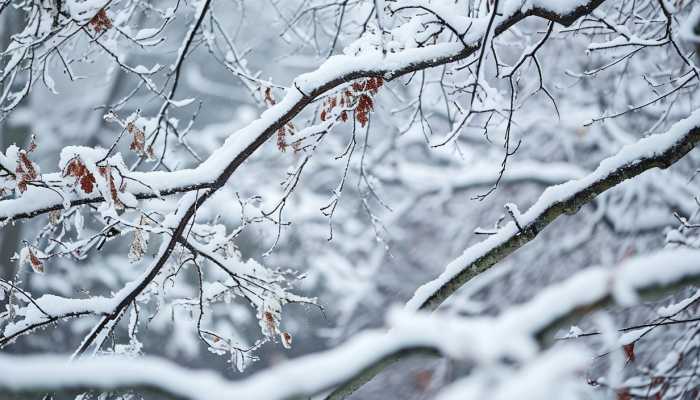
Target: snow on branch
661, 150
512, 335
336, 71
657, 151
53, 191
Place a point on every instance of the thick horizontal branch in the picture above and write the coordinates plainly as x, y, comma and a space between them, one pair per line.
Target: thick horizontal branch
512, 334
40, 200
49, 309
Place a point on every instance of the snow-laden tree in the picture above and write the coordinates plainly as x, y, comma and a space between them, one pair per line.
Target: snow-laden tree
257, 180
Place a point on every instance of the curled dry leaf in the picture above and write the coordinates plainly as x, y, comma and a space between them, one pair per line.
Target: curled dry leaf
629, 351
286, 340
270, 322
106, 172
54, 217
357, 98
29, 256
138, 246
26, 171
281, 139
268, 97
282, 136
139, 243
138, 139
32, 144
83, 176
364, 107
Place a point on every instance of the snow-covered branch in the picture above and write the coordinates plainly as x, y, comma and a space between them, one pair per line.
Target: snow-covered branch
512, 335
338, 70
214, 172
656, 151
351, 182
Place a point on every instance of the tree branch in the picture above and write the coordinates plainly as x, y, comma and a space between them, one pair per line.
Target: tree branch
481, 339
657, 151
336, 71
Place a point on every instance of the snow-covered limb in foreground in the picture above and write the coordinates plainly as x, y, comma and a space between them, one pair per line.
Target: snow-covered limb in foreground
554, 374
656, 151
513, 335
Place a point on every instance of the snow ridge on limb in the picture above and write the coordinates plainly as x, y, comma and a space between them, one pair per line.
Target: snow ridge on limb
656, 151
513, 335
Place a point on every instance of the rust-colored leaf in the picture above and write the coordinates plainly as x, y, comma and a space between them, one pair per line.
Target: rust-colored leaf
286, 339
83, 176
623, 394
268, 97
35, 262
106, 172
270, 322
100, 22
281, 139
138, 139
629, 351
87, 183
26, 166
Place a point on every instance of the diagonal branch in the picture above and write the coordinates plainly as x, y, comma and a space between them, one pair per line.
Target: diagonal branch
657, 151
338, 70
333, 73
